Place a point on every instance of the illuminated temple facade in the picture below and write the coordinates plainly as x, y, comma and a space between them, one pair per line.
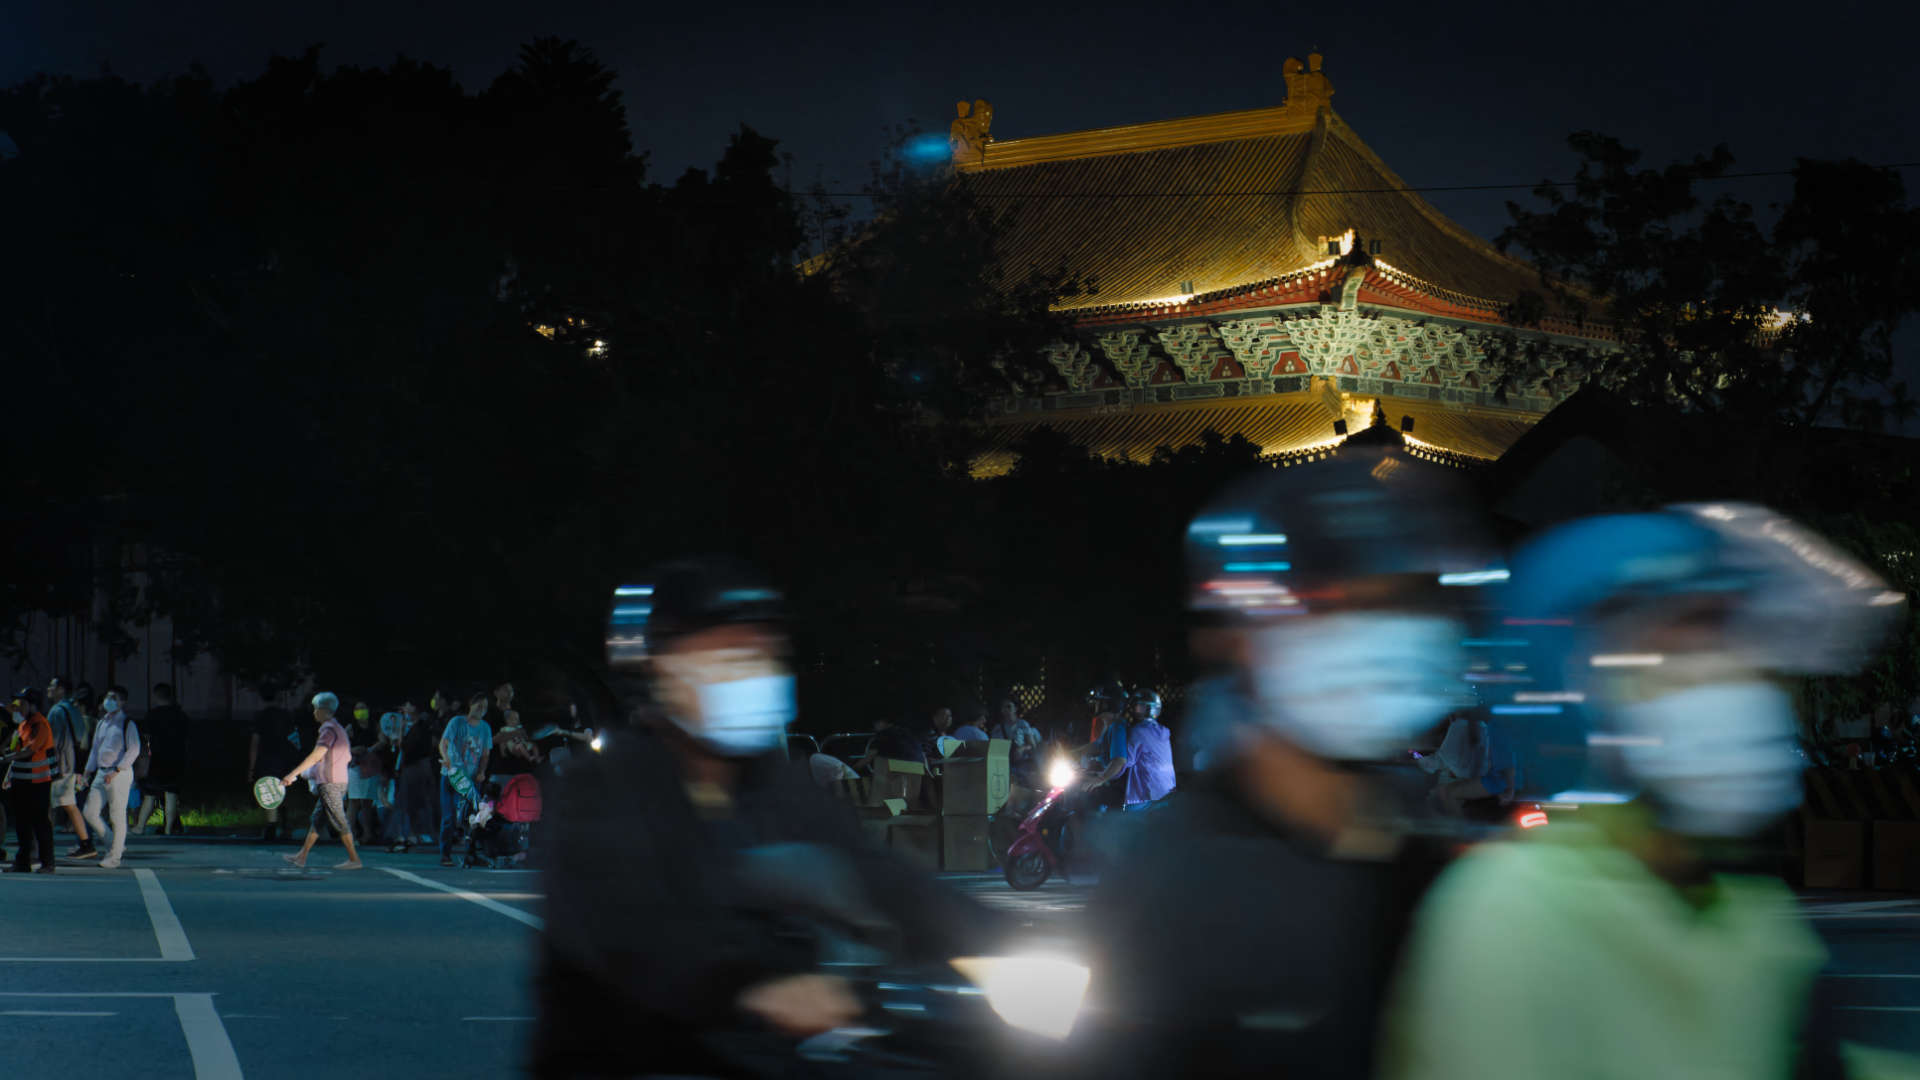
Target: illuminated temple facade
1259, 273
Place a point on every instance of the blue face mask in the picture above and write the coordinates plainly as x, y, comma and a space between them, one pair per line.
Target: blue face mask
743, 717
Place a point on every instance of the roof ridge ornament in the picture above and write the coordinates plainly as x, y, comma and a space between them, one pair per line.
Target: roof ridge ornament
1308, 88
968, 135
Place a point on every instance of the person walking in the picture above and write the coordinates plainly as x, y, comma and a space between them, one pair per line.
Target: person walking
69, 740
163, 734
326, 769
109, 772
465, 748
28, 785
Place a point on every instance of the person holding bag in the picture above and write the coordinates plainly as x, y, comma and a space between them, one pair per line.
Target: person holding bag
109, 772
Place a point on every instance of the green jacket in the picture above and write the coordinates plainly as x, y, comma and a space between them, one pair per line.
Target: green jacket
1561, 955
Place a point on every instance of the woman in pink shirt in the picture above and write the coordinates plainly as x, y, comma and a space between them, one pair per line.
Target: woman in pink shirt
326, 769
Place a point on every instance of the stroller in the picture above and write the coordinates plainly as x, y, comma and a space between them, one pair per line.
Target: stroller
501, 825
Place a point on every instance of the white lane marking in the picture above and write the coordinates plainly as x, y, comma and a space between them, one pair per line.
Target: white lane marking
87, 959
213, 1056
166, 925
82, 994
52, 1012
497, 1019
1855, 905
490, 904
1837, 916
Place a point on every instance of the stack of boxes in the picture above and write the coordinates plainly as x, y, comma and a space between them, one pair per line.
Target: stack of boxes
974, 784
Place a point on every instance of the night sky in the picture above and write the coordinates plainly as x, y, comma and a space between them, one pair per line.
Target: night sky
1446, 93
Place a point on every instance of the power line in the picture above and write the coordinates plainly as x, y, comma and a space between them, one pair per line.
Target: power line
1298, 192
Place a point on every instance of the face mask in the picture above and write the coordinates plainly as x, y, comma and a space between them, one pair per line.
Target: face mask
743, 717
110, 706
1359, 686
361, 714
1719, 759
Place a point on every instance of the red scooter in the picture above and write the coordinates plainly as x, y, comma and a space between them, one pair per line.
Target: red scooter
1038, 847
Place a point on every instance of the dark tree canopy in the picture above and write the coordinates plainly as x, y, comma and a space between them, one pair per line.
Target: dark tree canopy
1716, 313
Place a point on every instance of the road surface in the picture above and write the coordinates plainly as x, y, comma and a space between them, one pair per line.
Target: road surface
208, 959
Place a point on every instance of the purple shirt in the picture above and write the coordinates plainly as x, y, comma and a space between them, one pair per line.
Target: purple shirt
1149, 762
332, 769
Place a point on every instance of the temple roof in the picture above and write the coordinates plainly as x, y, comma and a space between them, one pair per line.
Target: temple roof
1280, 424
1203, 204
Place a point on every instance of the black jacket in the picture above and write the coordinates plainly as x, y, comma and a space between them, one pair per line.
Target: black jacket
651, 936
1231, 947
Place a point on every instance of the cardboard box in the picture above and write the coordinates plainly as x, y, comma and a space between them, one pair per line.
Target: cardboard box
916, 838
976, 782
1836, 853
963, 842
893, 779
1896, 856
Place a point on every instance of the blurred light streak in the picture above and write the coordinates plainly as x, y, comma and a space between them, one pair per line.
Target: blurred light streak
1627, 659
1477, 577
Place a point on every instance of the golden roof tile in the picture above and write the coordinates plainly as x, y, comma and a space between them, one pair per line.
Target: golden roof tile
1201, 204
1277, 423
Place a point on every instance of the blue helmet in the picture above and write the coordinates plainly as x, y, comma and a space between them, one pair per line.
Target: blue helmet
1799, 603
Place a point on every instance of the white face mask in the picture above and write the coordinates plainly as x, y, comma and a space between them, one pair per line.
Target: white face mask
737, 702
1720, 759
1358, 686
110, 705
742, 717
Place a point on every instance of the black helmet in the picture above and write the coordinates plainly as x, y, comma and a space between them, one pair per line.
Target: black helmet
685, 597
1149, 698
1371, 528
1108, 696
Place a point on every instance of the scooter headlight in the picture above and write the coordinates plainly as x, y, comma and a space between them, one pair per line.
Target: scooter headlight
1040, 994
1061, 773
598, 743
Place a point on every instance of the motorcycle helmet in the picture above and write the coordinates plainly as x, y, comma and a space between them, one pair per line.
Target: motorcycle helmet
1790, 599
1107, 697
1371, 528
684, 597
1149, 698
1346, 578
1669, 626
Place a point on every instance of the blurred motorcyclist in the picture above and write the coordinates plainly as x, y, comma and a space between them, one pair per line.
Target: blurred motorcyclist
1254, 921
657, 950
1620, 946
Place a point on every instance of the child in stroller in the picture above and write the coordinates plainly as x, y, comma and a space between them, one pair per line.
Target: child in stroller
501, 825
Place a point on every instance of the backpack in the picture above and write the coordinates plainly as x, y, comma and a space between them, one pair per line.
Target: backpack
519, 799
145, 761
